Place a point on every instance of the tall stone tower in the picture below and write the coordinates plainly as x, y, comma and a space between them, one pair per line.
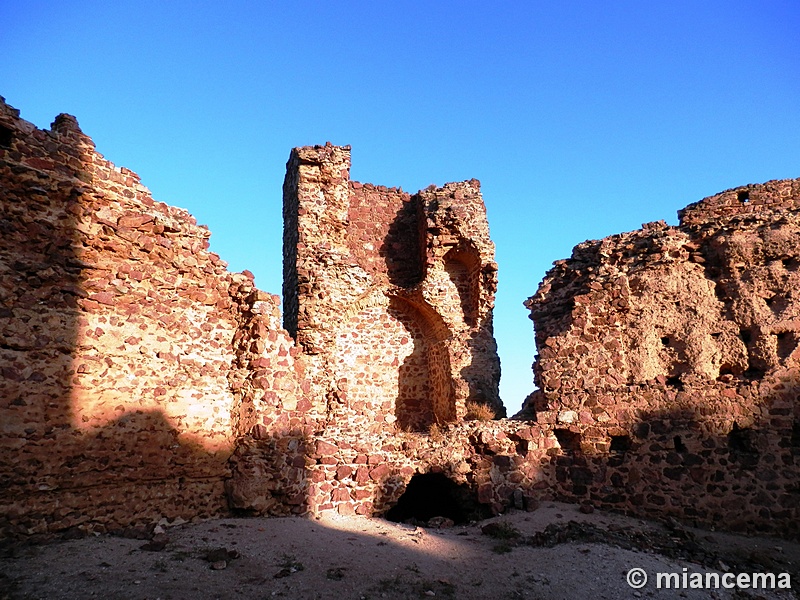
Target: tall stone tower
389, 294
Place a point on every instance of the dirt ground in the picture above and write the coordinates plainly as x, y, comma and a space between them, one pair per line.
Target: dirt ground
553, 552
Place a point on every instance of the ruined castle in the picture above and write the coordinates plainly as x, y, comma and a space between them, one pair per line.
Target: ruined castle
141, 381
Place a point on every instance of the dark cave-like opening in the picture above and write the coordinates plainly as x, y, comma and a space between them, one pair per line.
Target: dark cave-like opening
6, 136
570, 441
430, 495
620, 443
740, 439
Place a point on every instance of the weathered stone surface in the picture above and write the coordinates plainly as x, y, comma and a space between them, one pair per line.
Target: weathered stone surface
672, 354
120, 342
141, 381
161, 378
389, 294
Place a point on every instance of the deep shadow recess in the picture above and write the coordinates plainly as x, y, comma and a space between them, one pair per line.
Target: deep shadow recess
432, 495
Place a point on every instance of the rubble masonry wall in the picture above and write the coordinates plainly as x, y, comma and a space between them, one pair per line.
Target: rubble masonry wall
118, 343
143, 381
669, 357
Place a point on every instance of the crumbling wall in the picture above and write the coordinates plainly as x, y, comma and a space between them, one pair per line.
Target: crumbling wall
461, 281
120, 391
389, 294
142, 381
668, 364
389, 297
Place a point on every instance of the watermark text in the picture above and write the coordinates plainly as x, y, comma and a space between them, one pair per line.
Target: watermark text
710, 580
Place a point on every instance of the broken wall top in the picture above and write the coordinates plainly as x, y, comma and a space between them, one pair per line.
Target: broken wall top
356, 237
750, 199
426, 258
706, 302
121, 342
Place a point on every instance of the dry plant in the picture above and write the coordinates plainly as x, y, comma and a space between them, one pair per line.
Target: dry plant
435, 433
478, 412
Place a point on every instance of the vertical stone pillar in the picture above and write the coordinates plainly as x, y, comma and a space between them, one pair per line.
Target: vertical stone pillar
316, 199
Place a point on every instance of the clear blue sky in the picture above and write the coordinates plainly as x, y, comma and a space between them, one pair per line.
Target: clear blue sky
581, 119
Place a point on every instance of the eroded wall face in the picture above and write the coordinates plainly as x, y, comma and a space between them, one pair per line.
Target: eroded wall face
672, 354
384, 234
142, 381
381, 369
389, 296
390, 305
116, 343
375, 266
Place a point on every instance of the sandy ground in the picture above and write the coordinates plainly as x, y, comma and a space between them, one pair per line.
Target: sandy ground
553, 552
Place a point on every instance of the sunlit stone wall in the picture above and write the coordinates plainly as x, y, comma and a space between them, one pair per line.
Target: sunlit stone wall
116, 342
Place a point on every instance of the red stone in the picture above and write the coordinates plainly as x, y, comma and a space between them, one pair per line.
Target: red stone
379, 472
297, 499
485, 493
134, 221
346, 509
341, 495
106, 298
38, 163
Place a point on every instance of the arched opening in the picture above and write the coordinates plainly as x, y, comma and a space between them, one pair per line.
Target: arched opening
462, 268
390, 362
380, 340
413, 407
425, 392
431, 495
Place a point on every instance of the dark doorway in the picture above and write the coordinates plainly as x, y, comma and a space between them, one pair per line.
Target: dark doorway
432, 495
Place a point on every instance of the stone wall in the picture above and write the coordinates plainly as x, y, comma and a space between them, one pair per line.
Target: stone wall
389, 294
389, 297
117, 342
668, 360
142, 381
771, 196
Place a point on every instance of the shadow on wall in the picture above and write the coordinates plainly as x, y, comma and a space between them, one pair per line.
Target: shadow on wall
62, 466
269, 473
413, 404
695, 463
425, 386
475, 373
404, 246
463, 269
413, 407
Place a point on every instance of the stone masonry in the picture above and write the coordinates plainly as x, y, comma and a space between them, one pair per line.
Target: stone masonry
119, 343
143, 382
389, 296
668, 360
